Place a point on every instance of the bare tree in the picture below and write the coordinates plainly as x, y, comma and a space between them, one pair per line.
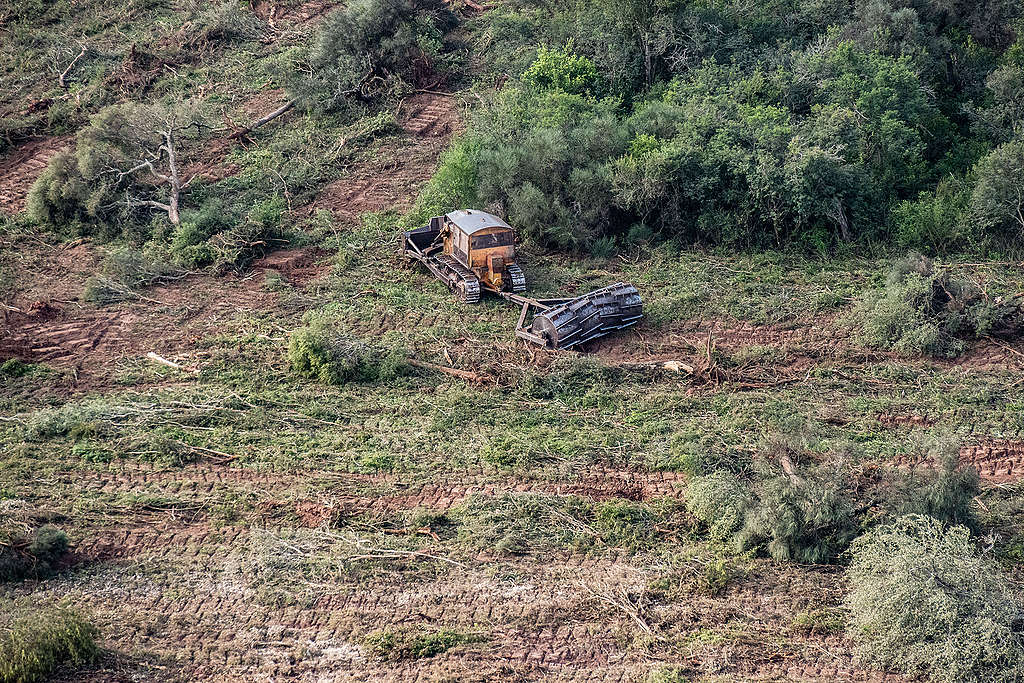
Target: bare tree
138, 149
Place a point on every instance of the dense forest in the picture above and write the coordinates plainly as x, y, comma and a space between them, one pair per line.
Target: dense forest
752, 124
600, 124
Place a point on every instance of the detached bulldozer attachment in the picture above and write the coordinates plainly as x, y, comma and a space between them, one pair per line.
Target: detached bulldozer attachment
564, 323
473, 252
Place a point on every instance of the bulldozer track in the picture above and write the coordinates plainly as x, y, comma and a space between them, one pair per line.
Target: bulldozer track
460, 278
996, 462
59, 340
518, 278
194, 603
389, 491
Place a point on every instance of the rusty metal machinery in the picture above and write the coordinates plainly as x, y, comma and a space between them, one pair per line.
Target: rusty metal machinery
474, 251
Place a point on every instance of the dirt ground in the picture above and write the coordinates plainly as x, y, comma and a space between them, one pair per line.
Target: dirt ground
172, 587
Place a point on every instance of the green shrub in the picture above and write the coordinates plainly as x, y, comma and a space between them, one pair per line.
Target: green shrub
925, 602
317, 353
36, 642
926, 309
34, 555
12, 367
718, 500
372, 49
807, 520
394, 645
947, 494
562, 69
123, 271
624, 524
935, 220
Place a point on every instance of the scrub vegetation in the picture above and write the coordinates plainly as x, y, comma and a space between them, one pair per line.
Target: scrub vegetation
252, 443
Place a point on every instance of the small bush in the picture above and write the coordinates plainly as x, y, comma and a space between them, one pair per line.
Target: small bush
34, 555
124, 270
946, 494
394, 645
625, 524
805, 520
924, 601
12, 367
718, 500
373, 49
316, 353
37, 642
561, 69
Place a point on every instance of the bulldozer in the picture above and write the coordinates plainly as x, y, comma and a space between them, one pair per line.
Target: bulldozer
474, 252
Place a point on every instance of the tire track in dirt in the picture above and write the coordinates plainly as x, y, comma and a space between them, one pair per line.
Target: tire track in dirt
996, 462
20, 169
429, 120
540, 618
358, 494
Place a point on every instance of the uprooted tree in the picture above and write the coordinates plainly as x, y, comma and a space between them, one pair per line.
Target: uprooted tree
131, 157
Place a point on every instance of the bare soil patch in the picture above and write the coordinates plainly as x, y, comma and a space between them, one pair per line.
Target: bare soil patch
169, 319
20, 169
394, 181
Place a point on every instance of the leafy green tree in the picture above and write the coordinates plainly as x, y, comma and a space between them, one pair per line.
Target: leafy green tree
998, 200
563, 70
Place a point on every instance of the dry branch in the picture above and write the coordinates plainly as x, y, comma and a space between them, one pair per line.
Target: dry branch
156, 358
63, 74
475, 377
244, 132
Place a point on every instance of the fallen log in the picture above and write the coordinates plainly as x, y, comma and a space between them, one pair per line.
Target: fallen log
475, 377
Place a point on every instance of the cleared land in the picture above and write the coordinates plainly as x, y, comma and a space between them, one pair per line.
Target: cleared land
231, 521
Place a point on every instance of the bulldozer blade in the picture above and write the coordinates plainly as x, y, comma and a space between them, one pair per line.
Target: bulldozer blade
588, 317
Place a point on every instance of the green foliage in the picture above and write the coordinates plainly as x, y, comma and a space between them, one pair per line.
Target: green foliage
562, 69
926, 309
923, 601
521, 524
36, 642
372, 49
33, 555
997, 203
86, 189
453, 186
718, 500
789, 124
667, 674
12, 367
319, 353
946, 494
395, 645
802, 519
935, 220
572, 377
123, 270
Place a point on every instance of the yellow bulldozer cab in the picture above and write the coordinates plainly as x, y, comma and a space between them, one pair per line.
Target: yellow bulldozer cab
482, 242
